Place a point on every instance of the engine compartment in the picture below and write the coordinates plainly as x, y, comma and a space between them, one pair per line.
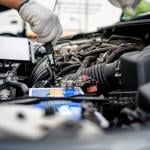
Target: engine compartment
110, 67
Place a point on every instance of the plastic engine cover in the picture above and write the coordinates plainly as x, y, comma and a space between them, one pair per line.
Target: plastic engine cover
135, 69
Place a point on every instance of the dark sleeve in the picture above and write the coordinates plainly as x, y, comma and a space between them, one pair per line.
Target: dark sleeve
3, 8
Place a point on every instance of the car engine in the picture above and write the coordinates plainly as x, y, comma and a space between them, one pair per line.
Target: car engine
111, 67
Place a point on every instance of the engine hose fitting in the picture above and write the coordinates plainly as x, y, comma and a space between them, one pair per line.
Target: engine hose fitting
10, 82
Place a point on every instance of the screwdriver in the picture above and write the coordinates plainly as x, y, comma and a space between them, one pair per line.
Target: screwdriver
51, 58
50, 53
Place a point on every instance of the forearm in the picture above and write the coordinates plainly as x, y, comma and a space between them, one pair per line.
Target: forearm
11, 3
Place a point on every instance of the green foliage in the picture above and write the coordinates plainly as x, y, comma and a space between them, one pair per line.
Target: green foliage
143, 7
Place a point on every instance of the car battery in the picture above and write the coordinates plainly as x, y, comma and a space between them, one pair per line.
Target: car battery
68, 109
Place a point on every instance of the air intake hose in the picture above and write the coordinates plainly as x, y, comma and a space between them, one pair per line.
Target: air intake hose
104, 74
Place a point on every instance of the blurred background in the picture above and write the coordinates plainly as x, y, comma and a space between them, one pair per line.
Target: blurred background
75, 15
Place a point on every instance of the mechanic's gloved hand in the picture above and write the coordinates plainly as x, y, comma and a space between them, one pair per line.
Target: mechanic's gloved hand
42, 21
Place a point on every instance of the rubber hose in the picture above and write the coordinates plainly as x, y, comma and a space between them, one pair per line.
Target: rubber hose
43, 76
24, 88
10, 81
116, 54
60, 59
37, 68
68, 69
87, 61
94, 52
104, 74
40, 71
63, 64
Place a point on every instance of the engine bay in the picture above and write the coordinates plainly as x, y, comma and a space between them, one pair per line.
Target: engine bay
103, 74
